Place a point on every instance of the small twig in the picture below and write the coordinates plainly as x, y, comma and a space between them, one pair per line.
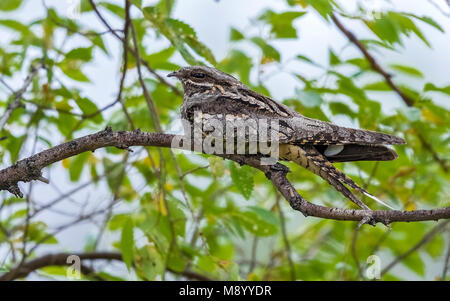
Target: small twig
253, 255
192, 171
286, 240
354, 254
17, 96
133, 51
438, 228
446, 263
388, 79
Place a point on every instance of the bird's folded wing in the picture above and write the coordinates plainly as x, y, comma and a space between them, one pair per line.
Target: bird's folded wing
316, 132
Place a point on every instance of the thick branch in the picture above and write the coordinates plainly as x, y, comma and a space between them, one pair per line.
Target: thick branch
30, 169
60, 259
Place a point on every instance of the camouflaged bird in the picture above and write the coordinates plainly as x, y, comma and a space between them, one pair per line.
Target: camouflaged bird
311, 143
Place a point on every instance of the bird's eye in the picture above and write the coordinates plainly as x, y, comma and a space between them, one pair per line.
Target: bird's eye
198, 75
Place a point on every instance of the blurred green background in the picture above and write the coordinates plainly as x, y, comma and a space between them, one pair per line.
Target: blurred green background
168, 212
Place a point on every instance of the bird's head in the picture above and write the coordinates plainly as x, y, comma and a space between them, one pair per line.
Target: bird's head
199, 78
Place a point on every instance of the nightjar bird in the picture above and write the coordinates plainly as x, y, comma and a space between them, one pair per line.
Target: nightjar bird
311, 143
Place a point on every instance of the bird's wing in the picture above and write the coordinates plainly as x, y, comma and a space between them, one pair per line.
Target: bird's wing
315, 132
356, 152
312, 131
295, 128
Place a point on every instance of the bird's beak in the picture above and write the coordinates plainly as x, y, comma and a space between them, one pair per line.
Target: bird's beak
173, 74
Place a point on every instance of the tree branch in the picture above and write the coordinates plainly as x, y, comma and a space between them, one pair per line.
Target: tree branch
130, 49
388, 79
60, 259
29, 169
17, 96
438, 228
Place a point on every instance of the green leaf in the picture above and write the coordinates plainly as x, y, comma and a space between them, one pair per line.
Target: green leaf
115, 9
435, 247
432, 87
333, 58
88, 108
72, 68
269, 52
406, 25
9, 5
179, 34
159, 60
361, 63
83, 54
323, 7
307, 59
236, 35
429, 21
385, 29
17, 26
412, 113
127, 243
77, 165
242, 178
281, 23
309, 98
36, 232
341, 108
415, 263
217, 166
238, 62
407, 70
258, 221
14, 144
377, 86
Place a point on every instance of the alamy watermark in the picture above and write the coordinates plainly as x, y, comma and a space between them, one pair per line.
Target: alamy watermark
74, 270
373, 270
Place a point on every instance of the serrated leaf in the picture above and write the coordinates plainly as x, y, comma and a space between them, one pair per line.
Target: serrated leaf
242, 178
179, 34
281, 23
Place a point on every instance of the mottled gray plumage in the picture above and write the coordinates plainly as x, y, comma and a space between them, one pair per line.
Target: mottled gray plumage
309, 142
